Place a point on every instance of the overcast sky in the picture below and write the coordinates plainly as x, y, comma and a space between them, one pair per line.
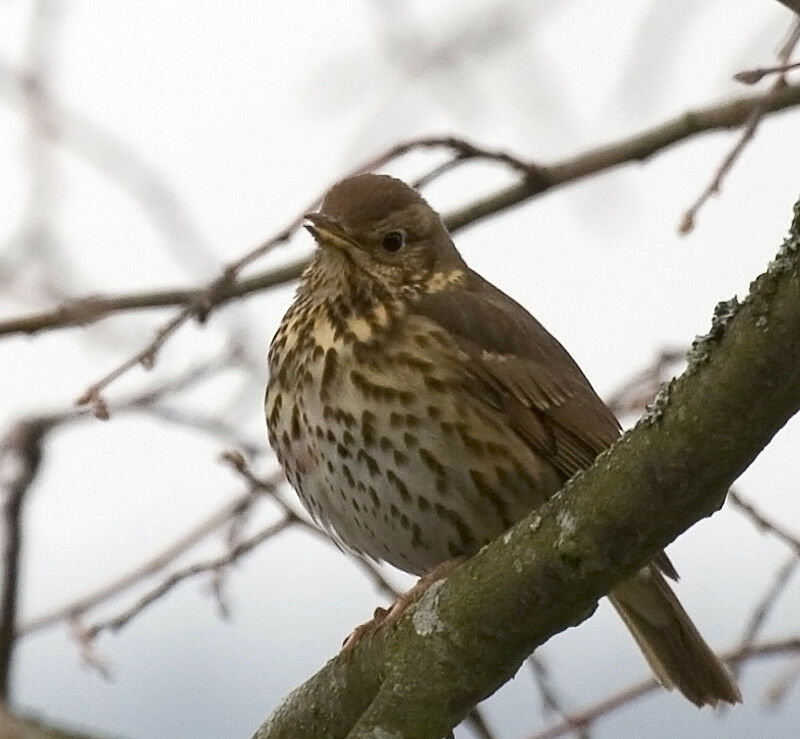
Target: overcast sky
245, 111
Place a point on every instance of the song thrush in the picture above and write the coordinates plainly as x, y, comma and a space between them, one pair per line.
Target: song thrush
419, 411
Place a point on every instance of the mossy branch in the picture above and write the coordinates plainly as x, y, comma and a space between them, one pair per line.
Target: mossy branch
470, 633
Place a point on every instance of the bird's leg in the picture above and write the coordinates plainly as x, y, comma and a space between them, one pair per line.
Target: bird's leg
442, 570
362, 630
385, 618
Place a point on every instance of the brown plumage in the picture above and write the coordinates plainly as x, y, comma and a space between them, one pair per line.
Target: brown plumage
419, 411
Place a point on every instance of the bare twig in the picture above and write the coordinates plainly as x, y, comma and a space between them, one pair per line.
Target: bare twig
780, 687
20, 460
217, 427
753, 76
767, 603
477, 722
552, 703
242, 548
152, 566
87, 310
763, 523
257, 486
749, 130
589, 715
149, 399
87, 650
199, 308
641, 388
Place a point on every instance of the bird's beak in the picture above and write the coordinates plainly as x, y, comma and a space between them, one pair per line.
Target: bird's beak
328, 232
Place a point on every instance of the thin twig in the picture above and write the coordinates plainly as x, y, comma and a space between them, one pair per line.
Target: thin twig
768, 601
149, 399
87, 650
237, 552
640, 389
779, 688
212, 425
552, 703
749, 130
89, 309
762, 522
478, 723
152, 566
623, 697
753, 76
19, 442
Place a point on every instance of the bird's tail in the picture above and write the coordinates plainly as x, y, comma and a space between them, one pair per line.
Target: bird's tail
669, 640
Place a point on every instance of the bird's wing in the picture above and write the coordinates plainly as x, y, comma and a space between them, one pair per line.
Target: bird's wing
517, 367
522, 371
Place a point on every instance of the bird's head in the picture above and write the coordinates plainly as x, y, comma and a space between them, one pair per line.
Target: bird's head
376, 228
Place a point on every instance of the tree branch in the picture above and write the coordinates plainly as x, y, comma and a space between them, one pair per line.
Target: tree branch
639, 147
534, 181
20, 460
466, 636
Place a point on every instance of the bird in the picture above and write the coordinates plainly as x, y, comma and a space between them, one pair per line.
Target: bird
419, 411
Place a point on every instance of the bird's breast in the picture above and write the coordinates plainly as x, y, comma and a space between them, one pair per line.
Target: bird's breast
371, 423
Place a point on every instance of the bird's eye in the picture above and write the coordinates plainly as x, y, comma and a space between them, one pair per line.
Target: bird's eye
393, 241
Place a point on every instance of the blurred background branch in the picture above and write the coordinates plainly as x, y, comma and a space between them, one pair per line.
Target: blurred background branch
536, 179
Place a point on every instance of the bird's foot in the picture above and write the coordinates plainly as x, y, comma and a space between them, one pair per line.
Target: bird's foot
368, 628
383, 618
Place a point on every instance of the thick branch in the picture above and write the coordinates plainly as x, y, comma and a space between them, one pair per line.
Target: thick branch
466, 636
533, 181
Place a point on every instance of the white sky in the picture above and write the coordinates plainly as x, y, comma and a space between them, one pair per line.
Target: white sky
248, 110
